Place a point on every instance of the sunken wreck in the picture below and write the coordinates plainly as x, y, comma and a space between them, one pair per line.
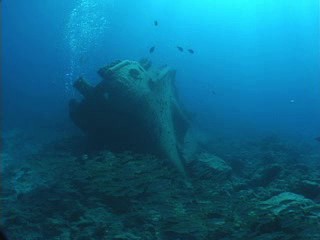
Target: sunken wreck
134, 108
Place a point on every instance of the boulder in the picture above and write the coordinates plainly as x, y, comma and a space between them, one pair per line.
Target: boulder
288, 213
285, 203
266, 176
309, 189
209, 166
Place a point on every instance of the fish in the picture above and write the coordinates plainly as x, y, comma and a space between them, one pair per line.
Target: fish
180, 48
151, 50
155, 23
191, 51
317, 139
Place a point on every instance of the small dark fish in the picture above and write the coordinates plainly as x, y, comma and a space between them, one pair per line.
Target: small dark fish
191, 51
180, 49
317, 139
213, 92
155, 23
151, 50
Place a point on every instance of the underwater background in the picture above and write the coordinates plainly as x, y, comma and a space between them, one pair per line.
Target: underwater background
251, 87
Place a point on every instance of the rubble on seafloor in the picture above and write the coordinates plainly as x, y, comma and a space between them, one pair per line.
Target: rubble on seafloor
60, 194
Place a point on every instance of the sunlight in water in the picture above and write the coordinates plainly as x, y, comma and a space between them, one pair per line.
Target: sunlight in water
87, 21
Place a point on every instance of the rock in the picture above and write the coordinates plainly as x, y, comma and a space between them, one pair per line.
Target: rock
208, 166
285, 202
287, 212
266, 176
309, 189
135, 107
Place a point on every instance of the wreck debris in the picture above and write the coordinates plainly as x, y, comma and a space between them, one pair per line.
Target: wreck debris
141, 112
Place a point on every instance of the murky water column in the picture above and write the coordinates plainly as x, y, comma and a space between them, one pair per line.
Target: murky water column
87, 22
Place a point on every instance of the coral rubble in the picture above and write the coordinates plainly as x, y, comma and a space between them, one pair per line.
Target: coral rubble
62, 194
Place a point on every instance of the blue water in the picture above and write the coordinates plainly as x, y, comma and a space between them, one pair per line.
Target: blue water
255, 71
258, 57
